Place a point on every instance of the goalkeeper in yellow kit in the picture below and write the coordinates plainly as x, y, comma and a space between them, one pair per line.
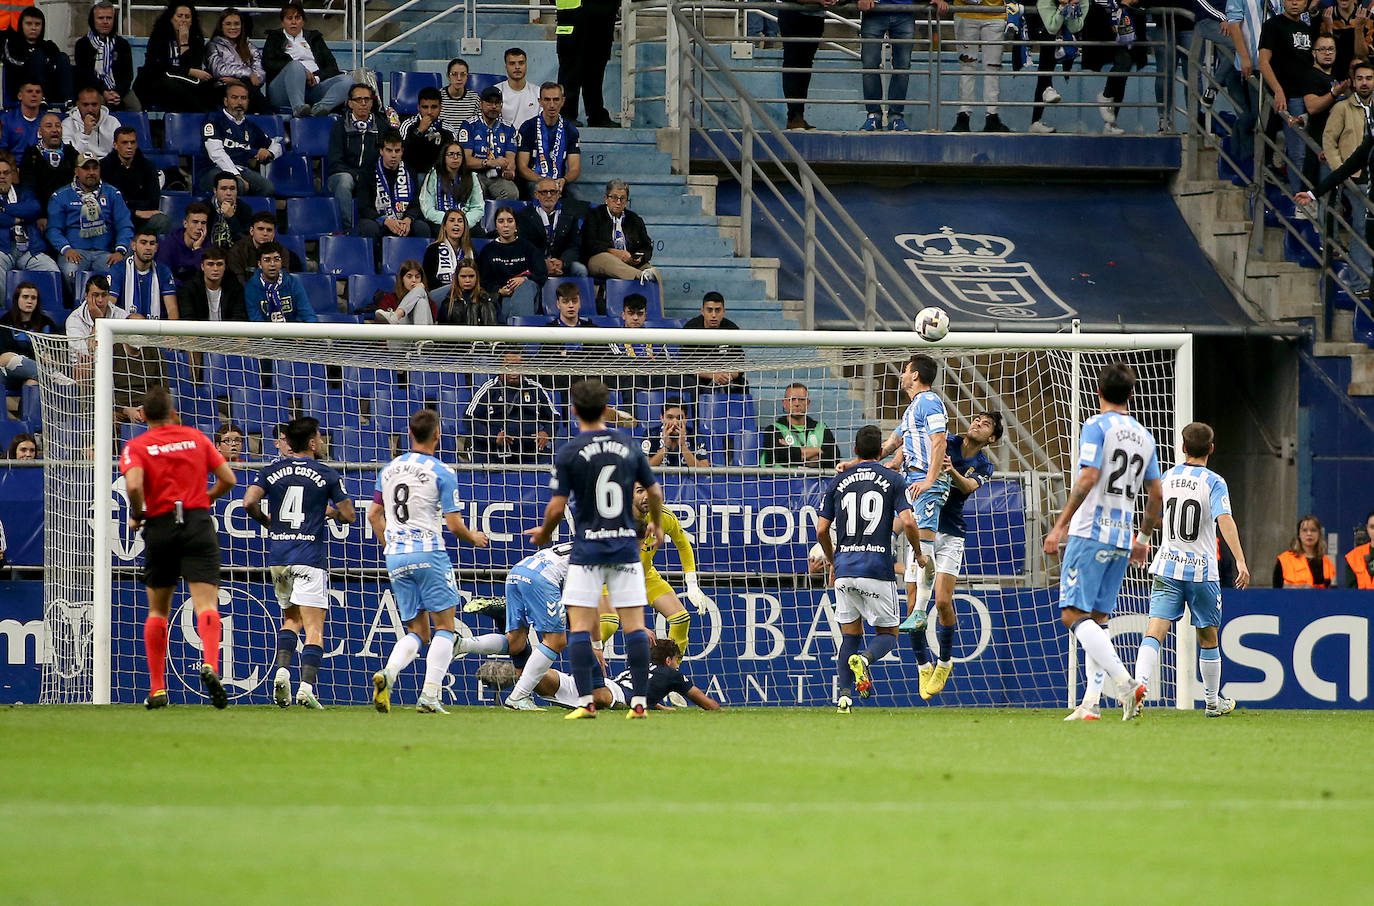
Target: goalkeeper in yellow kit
660, 594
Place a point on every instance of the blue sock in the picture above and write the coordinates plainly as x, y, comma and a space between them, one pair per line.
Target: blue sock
598, 675
583, 661
918, 645
944, 636
520, 657
286, 647
849, 644
880, 647
637, 659
311, 656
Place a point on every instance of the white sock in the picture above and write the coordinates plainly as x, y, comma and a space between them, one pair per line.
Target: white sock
567, 691
1092, 692
924, 589
1211, 676
541, 659
307, 688
1098, 646
405, 650
437, 661
1146, 660
491, 643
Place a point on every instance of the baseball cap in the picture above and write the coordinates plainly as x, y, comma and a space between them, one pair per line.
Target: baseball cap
490, 93
84, 159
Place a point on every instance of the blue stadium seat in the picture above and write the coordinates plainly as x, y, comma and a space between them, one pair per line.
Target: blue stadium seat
334, 410
1364, 324
299, 379
292, 177
478, 245
490, 209
1295, 251
405, 89
31, 404
310, 135
197, 408
356, 443
174, 205
270, 123
391, 413
181, 133
617, 290
452, 408
222, 373
49, 285
527, 321
399, 249
428, 386
129, 430
336, 317
312, 217
648, 404
8, 430
294, 244
259, 204
741, 449
344, 256
138, 121
363, 287
322, 292
664, 323
605, 321
725, 414
363, 382
257, 410
480, 81
586, 286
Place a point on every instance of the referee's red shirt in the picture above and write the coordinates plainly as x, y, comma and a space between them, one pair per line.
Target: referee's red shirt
176, 461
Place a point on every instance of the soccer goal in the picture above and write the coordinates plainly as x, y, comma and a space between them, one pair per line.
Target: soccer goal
745, 490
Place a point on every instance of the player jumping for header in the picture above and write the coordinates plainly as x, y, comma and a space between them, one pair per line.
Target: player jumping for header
1116, 458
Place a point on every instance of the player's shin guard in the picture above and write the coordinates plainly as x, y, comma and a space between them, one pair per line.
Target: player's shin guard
637, 659
1147, 659
437, 661
1098, 646
311, 656
679, 624
610, 622
208, 628
1209, 665
540, 659
944, 637
406, 649
286, 648
844, 677
880, 647
155, 646
583, 663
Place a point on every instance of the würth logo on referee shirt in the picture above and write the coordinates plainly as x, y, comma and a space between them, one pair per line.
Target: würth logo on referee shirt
178, 446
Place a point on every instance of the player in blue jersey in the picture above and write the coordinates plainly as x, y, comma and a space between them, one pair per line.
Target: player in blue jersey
968, 466
1116, 461
1186, 571
667, 685
863, 503
301, 493
416, 498
598, 470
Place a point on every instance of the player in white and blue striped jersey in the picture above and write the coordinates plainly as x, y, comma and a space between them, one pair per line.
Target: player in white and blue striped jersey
1186, 571
1116, 461
415, 500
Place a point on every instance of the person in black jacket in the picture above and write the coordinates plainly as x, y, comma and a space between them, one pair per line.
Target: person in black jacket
230, 219
30, 57
311, 88
512, 269
214, 294
615, 242
137, 180
48, 165
467, 304
353, 147
104, 59
389, 199
174, 75
554, 226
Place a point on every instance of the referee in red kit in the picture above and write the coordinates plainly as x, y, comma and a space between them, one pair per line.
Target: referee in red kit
165, 471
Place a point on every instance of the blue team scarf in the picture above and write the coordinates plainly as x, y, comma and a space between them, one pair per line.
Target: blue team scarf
273, 293
548, 150
395, 203
104, 57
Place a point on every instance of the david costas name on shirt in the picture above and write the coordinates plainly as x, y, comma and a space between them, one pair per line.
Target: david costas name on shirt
300, 472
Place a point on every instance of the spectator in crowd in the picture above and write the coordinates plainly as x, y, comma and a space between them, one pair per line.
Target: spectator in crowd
233, 60
18, 364
511, 418
21, 241
90, 127
1055, 16
389, 201
979, 37
712, 317
1112, 31
409, 302
1242, 27
512, 269
446, 253
80, 326
272, 294
797, 439
1321, 89
467, 304
88, 223
182, 251
899, 27
757, 25
104, 59
553, 225
229, 218
489, 147
1342, 139
31, 57
459, 104
1351, 24
19, 124
229, 441
568, 299
135, 369
633, 315
424, 133
1305, 564
519, 99
1359, 561
140, 284
232, 143
547, 145
451, 186
802, 30
213, 294
243, 255
173, 76
23, 446
1285, 56
353, 149
301, 71
615, 242
48, 165
137, 179
673, 443
586, 35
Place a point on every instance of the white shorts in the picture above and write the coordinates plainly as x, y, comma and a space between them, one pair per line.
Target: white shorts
300, 586
949, 554
872, 600
624, 582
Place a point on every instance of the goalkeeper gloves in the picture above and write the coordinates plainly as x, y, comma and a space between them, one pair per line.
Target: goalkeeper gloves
700, 600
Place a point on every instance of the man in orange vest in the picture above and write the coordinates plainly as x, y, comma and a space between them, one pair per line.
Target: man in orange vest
1359, 563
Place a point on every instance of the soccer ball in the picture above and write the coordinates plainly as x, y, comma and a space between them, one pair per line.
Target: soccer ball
932, 323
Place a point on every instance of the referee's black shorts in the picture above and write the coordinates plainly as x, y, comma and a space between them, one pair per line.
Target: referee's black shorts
188, 551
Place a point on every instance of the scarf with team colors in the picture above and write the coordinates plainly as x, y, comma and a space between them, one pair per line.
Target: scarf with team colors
391, 203
548, 149
104, 46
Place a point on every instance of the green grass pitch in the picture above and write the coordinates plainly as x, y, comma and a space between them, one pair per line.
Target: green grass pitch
253, 805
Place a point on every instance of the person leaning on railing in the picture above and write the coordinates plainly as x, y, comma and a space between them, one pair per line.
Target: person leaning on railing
1056, 26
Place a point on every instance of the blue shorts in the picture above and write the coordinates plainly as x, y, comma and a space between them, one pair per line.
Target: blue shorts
928, 504
422, 581
1168, 596
532, 600
1091, 574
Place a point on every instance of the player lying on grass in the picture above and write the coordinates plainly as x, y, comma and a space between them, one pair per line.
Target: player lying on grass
661, 596
1186, 571
665, 679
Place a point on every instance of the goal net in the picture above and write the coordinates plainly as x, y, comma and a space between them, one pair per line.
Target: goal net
746, 490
